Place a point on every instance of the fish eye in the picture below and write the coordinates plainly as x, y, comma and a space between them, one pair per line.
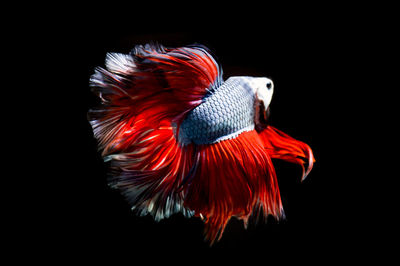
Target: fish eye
269, 85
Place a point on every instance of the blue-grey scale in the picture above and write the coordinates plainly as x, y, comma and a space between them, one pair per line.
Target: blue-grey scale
224, 113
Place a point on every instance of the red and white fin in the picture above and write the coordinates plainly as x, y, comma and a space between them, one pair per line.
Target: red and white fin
144, 96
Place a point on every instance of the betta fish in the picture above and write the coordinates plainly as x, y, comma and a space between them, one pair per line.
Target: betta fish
180, 139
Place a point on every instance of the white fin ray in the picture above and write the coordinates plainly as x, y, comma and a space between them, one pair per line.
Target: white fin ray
119, 63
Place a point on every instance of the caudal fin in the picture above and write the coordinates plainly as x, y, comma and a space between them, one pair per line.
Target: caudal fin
144, 96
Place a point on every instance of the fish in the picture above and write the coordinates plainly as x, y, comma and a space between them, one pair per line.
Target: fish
178, 138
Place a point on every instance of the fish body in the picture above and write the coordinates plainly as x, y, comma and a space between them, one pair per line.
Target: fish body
181, 139
223, 114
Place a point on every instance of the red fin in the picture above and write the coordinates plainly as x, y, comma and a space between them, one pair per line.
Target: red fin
150, 177
233, 178
282, 146
144, 96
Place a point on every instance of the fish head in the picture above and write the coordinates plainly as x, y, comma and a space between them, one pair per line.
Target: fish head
263, 89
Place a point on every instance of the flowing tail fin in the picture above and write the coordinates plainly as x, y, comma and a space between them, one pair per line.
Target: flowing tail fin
144, 96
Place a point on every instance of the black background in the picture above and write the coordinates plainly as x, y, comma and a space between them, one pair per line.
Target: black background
311, 55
